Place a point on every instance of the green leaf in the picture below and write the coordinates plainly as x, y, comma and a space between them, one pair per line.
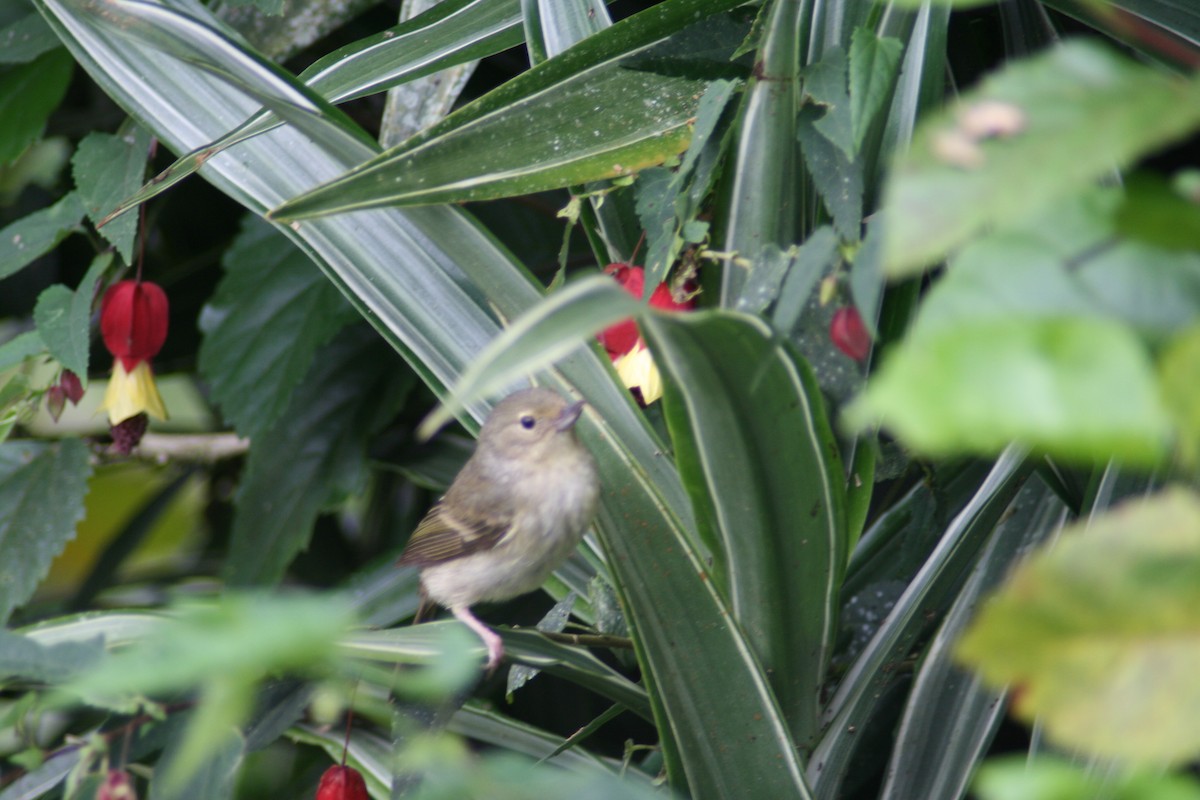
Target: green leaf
270, 313
210, 773
19, 348
838, 179
1178, 364
768, 481
874, 65
25, 658
41, 498
529, 135
28, 93
825, 85
107, 169
314, 453
63, 318
1154, 212
1048, 778
37, 234
25, 39
1112, 600
1079, 106
1076, 388
766, 171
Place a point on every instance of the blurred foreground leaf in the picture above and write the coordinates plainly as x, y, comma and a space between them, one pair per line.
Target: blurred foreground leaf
1098, 634
1019, 778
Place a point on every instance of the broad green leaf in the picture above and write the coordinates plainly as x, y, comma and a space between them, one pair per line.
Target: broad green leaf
20, 347
874, 64
1074, 387
312, 454
1178, 365
1113, 600
825, 85
756, 451
107, 169
765, 165
28, 93
1080, 107
950, 717
1155, 212
837, 178
270, 313
1051, 778
63, 318
25, 658
814, 258
552, 26
25, 39
37, 234
41, 498
529, 135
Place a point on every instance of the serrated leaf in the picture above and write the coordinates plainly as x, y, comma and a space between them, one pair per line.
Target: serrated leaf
313, 453
825, 86
838, 178
25, 658
108, 169
874, 64
268, 316
36, 234
1079, 106
1077, 388
28, 93
41, 498
1115, 599
768, 486
63, 318
25, 39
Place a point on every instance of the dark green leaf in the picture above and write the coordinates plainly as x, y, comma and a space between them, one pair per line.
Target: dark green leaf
838, 179
768, 481
1080, 107
815, 257
63, 318
25, 658
874, 63
214, 779
28, 93
314, 453
108, 169
35, 235
1156, 213
41, 498
25, 39
825, 85
270, 313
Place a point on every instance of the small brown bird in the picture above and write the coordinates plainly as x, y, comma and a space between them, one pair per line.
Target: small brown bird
517, 509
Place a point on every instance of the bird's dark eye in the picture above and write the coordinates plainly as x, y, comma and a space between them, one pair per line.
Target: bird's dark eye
527, 422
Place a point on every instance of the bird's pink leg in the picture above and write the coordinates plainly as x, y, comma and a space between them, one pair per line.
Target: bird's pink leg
495, 647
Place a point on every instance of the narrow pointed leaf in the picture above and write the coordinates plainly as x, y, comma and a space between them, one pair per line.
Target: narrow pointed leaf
756, 450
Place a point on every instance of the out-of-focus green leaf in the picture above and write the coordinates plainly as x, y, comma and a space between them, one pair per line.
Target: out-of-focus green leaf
41, 498
760, 461
107, 169
187, 771
1154, 212
1077, 388
1077, 625
28, 93
950, 717
25, 658
1051, 778
270, 313
1080, 107
1178, 366
25, 39
20, 347
63, 318
766, 170
313, 453
561, 123
38, 783
35, 235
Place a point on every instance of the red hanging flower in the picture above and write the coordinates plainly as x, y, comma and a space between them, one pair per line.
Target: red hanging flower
624, 343
849, 334
133, 323
342, 783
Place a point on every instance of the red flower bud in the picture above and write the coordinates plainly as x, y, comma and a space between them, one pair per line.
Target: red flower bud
342, 783
71, 386
118, 785
56, 401
133, 321
849, 334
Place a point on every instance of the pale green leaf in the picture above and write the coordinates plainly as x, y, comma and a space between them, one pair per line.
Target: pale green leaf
35, 235
25, 39
63, 318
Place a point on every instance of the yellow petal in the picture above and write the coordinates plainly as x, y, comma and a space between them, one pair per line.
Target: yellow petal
131, 393
637, 370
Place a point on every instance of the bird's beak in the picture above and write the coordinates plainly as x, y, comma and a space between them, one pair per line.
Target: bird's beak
569, 416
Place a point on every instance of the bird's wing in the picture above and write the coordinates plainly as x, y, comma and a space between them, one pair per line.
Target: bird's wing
442, 536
